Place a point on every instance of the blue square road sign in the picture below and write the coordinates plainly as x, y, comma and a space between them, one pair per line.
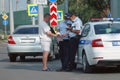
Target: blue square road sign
5, 22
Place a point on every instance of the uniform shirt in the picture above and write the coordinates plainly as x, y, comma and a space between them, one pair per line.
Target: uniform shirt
62, 27
44, 27
76, 25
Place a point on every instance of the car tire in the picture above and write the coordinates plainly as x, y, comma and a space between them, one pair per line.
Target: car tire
22, 58
86, 67
12, 57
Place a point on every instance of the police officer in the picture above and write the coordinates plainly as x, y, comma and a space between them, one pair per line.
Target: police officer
74, 34
64, 44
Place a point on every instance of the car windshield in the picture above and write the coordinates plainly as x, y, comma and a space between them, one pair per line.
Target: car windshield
28, 30
107, 28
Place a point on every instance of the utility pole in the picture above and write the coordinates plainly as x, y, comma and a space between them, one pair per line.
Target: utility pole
3, 5
40, 13
114, 4
66, 6
3, 10
11, 17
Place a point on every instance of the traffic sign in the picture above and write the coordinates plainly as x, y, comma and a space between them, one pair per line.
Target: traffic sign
59, 15
32, 10
4, 16
40, 2
5, 22
52, 0
53, 14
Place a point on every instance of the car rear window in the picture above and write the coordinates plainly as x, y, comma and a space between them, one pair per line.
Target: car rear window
107, 28
30, 30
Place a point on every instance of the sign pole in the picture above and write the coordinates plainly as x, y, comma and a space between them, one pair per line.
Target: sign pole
5, 30
33, 20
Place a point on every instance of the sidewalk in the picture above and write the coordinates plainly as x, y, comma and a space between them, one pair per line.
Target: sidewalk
3, 41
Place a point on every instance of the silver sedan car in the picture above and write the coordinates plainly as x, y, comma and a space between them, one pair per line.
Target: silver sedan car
25, 41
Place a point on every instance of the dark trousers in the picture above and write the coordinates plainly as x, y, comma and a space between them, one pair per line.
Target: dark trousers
64, 53
73, 47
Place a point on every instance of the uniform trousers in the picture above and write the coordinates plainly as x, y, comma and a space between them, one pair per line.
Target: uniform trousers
73, 47
64, 53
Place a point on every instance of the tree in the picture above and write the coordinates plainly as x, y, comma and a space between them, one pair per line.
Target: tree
101, 5
86, 9
82, 9
89, 8
60, 1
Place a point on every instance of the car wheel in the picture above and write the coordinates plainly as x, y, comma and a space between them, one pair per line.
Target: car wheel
22, 58
12, 57
86, 67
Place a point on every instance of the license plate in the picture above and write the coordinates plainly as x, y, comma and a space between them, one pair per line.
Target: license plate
27, 41
116, 43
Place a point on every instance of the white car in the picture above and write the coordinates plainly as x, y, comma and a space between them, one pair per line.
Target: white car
99, 45
26, 41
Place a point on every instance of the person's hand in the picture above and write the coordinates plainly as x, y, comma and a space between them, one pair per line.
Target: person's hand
69, 28
63, 35
56, 35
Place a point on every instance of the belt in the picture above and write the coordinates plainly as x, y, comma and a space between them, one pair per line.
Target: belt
73, 37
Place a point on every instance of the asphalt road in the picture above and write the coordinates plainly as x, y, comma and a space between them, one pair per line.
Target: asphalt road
31, 70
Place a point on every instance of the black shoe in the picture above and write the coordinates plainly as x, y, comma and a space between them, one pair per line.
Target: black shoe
68, 70
60, 70
48, 69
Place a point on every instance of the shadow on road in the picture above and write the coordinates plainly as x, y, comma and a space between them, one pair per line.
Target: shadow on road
30, 60
26, 60
100, 70
4, 60
36, 65
31, 64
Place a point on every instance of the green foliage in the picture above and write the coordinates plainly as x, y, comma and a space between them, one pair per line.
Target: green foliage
86, 9
82, 9
60, 2
98, 4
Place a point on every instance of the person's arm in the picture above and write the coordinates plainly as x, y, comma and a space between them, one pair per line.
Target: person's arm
75, 31
49, 33
78, 25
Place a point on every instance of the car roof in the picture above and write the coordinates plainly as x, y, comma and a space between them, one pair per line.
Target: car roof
26, 26
102, 22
